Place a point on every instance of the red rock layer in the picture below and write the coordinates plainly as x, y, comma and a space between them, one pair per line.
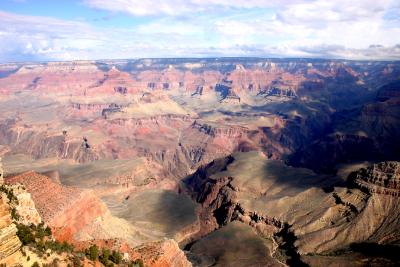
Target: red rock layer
66, 209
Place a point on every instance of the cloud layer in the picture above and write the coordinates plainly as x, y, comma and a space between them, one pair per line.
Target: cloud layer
362, 29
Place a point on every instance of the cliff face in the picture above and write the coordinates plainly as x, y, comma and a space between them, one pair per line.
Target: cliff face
9, 242
65, 209
271, 197
368, 132
380, 178
165, 253
121, 107
24, 207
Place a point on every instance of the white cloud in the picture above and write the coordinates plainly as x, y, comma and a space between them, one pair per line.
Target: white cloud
42, 37
180, 7
314, 28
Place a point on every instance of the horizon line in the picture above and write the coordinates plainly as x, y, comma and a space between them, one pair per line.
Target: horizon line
199, 58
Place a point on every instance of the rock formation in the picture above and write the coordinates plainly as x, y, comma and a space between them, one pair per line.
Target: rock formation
381, 178
271, 198
24, 207
9, 242
118, 137
165, 253
65, 209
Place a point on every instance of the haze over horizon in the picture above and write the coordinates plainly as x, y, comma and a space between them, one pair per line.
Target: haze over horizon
40, 30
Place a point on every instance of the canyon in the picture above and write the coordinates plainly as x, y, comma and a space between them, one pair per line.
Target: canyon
208, 162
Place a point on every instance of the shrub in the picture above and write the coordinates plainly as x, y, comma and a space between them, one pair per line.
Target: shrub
35, 264
42, 231
93, 253
116, 257
65, 247
105, 256
48, 231
14, 214
25, 234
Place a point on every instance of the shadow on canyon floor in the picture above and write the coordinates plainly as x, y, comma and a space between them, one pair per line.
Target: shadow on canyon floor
160, 210
391, 252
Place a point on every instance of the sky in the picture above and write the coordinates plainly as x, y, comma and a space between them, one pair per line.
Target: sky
48, 30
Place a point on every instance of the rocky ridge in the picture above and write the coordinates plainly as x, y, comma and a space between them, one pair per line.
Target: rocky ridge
65, 209
380, 178
343, 214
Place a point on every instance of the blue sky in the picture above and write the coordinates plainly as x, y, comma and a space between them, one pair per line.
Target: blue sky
40, 30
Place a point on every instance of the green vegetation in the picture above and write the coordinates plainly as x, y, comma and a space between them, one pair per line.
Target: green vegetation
39, 238
10, 194
116, 257
136, 263
13, 200
106, 257
93, 253
25, 234
32, 233
14, 214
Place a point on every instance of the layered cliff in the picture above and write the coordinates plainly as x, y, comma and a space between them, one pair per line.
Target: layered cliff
164, 253
295, 205
131, 130
9, 242
65, 209
24, 205
380, 178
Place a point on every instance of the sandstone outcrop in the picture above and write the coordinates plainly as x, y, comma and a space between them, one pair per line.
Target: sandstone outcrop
380, 178
25, 207
65, 209
9, 242
271, 198
165, 253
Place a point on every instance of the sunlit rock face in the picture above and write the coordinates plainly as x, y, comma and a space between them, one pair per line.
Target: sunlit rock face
381, 178
107, 110
67, 210
165, 253
269, 196
144, 152
9, 242
24, 206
